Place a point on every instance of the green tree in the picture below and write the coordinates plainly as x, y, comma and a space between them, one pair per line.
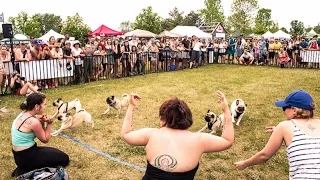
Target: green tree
262, 21
190, 19
48, 21
274, 27
126, 26
75, 27
308, 29
297, 28
317, 28
242, 13
175, 19
26, 25
148, 20
213, 11
284, 30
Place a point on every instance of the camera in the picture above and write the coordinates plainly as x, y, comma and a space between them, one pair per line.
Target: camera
19, 77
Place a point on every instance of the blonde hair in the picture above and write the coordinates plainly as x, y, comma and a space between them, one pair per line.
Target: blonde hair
304, 114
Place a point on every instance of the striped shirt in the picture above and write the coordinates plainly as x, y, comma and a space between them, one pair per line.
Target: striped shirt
304, 156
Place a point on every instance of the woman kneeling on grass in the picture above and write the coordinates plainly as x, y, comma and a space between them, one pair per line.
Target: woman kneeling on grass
25, 128
174, 152
301, 134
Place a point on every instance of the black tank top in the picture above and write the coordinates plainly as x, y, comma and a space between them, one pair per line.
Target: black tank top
153, 173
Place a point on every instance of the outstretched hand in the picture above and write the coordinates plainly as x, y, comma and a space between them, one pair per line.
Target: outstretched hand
223, 100
270, 129
240, 165
133, 99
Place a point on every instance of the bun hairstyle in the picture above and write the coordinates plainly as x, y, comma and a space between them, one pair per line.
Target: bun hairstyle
175, 114
32, 100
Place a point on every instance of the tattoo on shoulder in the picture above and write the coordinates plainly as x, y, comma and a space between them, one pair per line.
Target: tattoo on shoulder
165, 162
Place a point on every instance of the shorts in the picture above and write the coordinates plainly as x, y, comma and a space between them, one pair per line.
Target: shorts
18, 91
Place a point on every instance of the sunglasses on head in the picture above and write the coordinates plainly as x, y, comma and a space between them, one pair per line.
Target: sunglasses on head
286, 107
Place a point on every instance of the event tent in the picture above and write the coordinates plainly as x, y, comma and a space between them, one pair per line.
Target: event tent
51, 33
281, 34
311, 33
168, 34
105, 31
190, 31
267, 35
17, 38
140, 33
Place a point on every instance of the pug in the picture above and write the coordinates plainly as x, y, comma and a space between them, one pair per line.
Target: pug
214, 122
68, 121
64, 107
117, 104
238, 109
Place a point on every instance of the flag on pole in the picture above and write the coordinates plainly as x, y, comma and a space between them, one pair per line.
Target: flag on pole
1, 18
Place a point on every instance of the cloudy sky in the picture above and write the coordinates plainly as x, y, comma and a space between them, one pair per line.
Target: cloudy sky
113, 12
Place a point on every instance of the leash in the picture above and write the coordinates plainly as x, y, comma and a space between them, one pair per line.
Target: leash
104, 154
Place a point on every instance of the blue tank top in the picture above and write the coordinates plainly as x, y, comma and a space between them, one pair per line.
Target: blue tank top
19, 138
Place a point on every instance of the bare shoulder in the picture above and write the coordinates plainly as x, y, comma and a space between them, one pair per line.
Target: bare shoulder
285, 124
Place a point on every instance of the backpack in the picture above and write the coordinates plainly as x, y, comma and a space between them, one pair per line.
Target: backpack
47, 173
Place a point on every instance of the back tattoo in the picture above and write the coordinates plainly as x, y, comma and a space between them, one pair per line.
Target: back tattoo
165, 162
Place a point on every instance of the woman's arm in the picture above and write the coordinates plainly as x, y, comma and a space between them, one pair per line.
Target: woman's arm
268, 151
212, 143
42, 134
139, 137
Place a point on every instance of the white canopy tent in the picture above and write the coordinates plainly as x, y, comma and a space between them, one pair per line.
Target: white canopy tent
190, 31
267, 35
51, 33
281, 34
168, 34
140, 33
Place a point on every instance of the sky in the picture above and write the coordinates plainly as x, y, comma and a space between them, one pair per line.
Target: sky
112, 12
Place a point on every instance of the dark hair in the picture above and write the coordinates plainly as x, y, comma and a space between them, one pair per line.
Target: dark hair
176, 114
32, 100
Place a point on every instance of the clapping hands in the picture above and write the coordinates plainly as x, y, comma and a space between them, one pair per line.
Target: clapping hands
134, 98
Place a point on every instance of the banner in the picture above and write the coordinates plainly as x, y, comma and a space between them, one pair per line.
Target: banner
41, 69
310, 56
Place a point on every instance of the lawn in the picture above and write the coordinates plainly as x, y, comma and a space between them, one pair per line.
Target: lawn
259, 87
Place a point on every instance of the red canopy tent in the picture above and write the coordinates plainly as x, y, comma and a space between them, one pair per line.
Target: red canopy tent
105, 31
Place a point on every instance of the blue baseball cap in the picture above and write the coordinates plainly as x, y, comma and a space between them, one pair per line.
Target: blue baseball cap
299, 98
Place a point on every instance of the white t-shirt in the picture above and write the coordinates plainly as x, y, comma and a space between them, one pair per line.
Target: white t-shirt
76, 52
246, 56
196, 47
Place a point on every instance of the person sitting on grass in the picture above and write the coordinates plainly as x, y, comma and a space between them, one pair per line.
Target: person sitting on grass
300, 132
246, 58
20, 87
174, 152
25, 128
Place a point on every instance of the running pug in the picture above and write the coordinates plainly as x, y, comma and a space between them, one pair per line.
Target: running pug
238, 109
117, 104
214, 122
64, 107
68, 121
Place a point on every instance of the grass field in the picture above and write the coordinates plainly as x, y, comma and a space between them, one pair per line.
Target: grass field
259, 87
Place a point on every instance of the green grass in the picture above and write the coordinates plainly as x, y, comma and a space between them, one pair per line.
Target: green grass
258, 86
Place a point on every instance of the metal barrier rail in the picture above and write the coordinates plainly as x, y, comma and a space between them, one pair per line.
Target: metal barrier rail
54, 73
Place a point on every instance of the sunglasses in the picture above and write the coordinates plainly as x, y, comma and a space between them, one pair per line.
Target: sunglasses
286, 107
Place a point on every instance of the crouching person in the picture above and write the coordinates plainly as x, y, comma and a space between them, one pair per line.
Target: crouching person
25, 128
246, 58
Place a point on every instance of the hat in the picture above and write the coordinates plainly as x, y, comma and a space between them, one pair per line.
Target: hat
76, 42
299, 98
37, 42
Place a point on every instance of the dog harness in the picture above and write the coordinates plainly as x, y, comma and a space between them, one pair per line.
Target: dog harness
19, 138
66, 110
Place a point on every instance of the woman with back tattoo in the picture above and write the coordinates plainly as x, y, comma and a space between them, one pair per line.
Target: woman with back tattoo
174, 152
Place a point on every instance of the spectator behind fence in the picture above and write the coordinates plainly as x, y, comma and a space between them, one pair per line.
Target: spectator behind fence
4, 57
28, 125
173, 152
301, 135
22, 53
20, 87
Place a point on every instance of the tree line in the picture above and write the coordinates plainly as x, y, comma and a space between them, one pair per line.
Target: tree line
246, 17
39, 24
